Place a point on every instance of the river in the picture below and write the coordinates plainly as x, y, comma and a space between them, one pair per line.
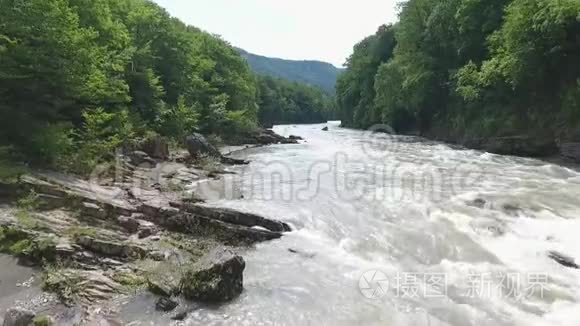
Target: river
393, 230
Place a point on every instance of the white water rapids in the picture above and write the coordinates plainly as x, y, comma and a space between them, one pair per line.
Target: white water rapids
439, 236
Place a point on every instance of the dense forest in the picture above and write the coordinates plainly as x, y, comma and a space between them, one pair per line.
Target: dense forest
283, 101
79, 78
463, 69
314, 73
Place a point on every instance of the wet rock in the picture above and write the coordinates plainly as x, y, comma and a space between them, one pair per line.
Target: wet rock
325, 129
563, 260
515, 145
226, 232
301, 253
237, 217
180, 316
198, 146
156, 147
111, 248
478, 202
571, 151
293, 137
165, 304
511, 209
217, 277
18, 317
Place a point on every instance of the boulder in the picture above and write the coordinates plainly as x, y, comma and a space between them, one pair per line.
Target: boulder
18, 317
165, 282
128, 223
138, 157
217, 277
198, 146
570, 151
325, 129
156, 147
563, 260
515, 145
293, 137
165, 304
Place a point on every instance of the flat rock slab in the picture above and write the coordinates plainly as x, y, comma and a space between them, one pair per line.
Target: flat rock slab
228, 233
237, 217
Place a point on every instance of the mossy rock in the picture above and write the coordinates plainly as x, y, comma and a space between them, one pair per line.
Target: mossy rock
218, 277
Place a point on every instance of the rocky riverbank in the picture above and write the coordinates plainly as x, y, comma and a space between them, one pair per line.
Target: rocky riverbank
133, 227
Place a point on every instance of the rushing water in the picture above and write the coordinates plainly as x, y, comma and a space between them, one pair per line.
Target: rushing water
443, 236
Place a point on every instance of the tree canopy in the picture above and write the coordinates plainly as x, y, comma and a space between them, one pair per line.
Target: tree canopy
75, 71
469, 68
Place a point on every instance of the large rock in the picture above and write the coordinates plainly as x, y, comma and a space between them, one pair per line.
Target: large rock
515, 145
156, 147
18, 317
217, 277
198, 146
225, 232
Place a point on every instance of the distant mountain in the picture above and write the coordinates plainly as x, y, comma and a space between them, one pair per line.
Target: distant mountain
316, 73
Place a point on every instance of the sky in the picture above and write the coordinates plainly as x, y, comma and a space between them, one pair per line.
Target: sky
324, 30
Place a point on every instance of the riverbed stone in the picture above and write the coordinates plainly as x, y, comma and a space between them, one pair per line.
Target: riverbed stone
111, 248
563, 260
165, 304
217, 277
18, 317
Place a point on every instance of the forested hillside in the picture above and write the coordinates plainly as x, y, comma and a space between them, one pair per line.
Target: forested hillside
282, 101
464, 69
79, 78
315, 73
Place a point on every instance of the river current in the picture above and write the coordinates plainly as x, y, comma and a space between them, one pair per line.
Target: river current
394, 230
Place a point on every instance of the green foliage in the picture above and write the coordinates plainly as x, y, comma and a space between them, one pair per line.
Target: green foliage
20, 243
81, 78
179, 121
43, 321
282, 101
29, 201
470, 68
355, 90
75, 232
